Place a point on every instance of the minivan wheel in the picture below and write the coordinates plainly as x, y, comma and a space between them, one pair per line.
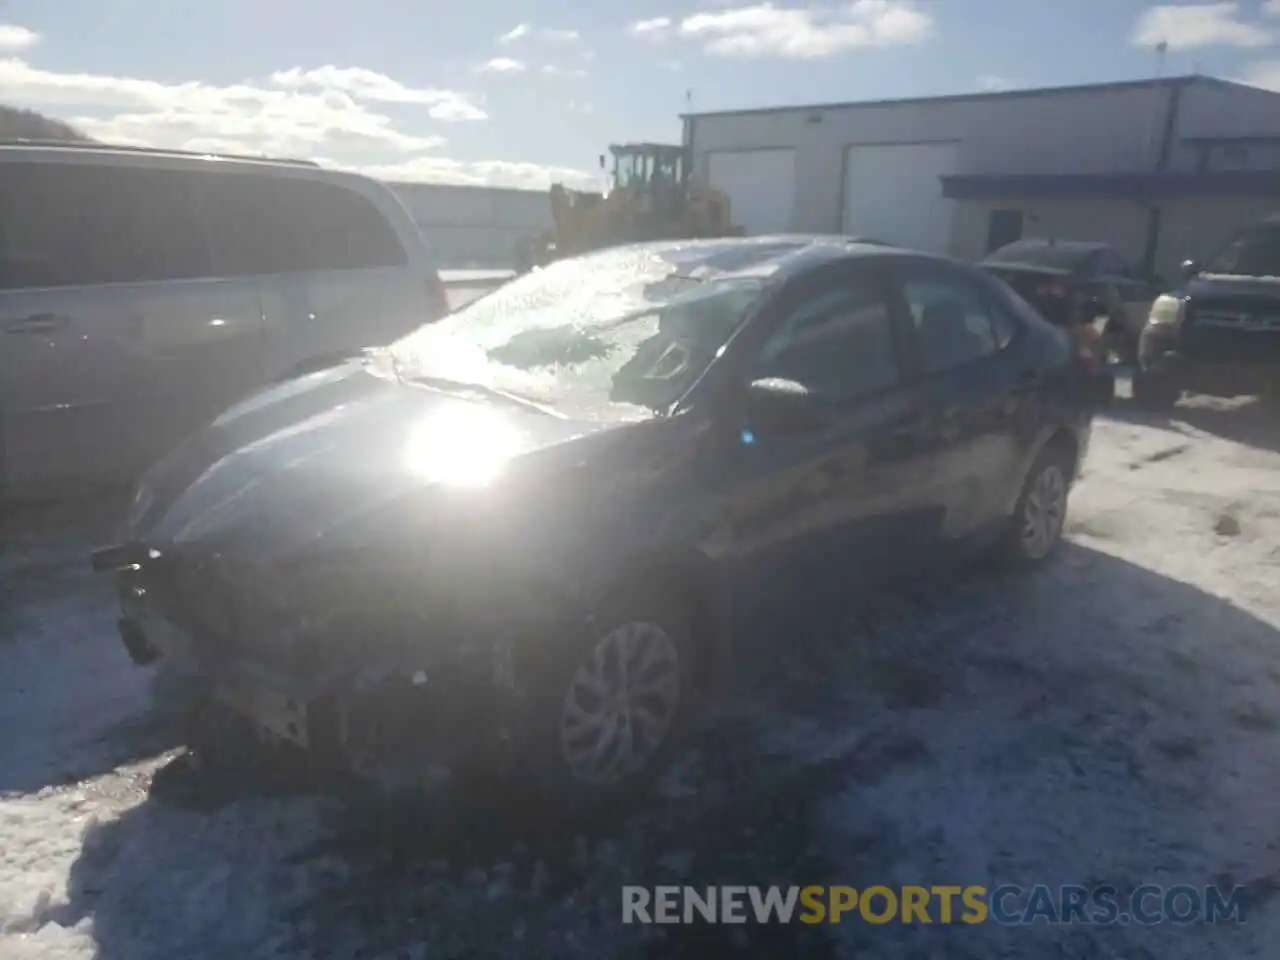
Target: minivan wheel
1036, 527
610, 714
1155, 391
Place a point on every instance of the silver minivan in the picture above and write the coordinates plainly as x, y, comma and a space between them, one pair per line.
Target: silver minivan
143, 291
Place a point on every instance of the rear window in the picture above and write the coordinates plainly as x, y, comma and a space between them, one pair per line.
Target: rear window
272, 224
1056, 256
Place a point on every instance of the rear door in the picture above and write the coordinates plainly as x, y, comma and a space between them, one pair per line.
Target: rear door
114, 339
979, 390
333, 274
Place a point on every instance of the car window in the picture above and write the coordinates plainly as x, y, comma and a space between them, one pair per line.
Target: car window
1255, 252
73, 224
1108, 263
955, 324
837, 343
262, 224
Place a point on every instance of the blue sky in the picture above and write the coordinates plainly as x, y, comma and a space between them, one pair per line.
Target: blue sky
522, 93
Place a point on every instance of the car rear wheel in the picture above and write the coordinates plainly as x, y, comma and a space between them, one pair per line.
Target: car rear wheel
1036, 527
1155, 391
610, 714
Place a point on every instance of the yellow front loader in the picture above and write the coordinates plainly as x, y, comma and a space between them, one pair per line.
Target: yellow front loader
652, 195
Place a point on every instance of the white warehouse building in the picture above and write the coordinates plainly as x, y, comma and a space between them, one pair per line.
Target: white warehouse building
1164, 169
474, 227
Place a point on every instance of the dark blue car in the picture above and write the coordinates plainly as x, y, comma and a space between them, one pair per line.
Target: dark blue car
545, 528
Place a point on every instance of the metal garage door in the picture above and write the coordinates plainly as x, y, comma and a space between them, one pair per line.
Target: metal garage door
892, 192
761, 185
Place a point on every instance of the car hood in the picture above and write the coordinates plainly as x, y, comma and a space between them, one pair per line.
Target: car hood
291, 465
1223, 286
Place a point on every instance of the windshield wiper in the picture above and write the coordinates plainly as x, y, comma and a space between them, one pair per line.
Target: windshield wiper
453, 387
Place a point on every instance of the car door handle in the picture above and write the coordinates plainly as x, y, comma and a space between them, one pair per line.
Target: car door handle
37, 323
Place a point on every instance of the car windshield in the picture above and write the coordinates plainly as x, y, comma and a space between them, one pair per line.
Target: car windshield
1254, 253
608, 336
1038, 253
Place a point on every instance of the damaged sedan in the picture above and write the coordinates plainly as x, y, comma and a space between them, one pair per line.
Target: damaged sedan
541, 531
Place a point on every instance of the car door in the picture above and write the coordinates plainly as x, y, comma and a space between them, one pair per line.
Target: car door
979, 391
108, 324
818, 513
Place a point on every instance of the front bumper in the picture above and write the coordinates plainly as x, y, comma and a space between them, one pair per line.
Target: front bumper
458, 705
1161, 354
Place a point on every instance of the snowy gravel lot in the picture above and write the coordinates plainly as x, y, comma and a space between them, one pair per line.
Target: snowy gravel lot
1112, 718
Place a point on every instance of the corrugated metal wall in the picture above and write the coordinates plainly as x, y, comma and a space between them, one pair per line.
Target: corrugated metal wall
1083, 131
1105, 129
475, 227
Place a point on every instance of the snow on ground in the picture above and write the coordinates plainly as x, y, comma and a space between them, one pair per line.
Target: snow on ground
1113, 718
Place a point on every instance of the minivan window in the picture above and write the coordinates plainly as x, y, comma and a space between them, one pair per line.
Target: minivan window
260, 224
75, 224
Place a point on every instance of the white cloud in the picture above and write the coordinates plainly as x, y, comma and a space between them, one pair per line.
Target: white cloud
14, 38
769, 30
561, 36
1262, 73
295, 113
1187, 26
368, 85
553, 70
674, 66
502, 65
320, 114
549, 34
655, 28
515, 33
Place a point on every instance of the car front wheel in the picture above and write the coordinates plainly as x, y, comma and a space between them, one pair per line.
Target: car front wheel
610, 714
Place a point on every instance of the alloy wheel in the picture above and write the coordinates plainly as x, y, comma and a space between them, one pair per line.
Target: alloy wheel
1044, 511
620, 704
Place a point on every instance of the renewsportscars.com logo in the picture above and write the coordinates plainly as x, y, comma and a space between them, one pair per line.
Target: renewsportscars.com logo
1009, 904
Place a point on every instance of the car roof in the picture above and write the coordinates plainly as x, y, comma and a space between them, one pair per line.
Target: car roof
1045, 243
773, 255
91, 148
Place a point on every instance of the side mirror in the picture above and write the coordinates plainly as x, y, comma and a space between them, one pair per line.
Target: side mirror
775, 405
1189, 269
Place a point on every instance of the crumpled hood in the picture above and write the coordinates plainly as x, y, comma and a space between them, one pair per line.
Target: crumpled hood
302, 459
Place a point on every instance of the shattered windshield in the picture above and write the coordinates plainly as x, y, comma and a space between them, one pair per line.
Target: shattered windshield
612, 335
1254, 253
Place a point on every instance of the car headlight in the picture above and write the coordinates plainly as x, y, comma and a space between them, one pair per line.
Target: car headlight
1166, 311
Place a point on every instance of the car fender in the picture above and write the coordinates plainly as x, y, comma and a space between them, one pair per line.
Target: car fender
688, 573
1045, 434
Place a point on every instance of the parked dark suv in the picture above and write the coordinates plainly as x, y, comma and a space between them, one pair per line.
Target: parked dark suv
1219, 332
